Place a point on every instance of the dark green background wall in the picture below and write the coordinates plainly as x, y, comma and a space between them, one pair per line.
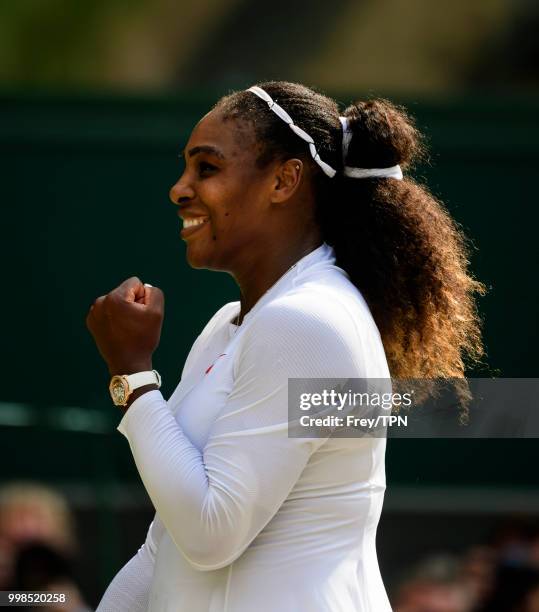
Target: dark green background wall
85, 183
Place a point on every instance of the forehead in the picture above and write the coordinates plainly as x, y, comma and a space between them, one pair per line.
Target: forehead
232, 137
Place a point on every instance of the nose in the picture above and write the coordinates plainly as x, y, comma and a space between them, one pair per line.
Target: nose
181, 191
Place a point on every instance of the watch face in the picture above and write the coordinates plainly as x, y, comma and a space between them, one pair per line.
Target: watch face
118, 391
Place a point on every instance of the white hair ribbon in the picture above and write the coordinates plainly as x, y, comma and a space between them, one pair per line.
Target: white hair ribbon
282, 114
393, 172
351, 172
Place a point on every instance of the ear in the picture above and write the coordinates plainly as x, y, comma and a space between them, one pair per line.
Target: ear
287, 179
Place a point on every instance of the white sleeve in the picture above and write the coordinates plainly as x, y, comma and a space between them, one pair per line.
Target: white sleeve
130, 588
213, 503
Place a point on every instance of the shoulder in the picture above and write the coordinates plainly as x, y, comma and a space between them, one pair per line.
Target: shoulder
317, 310
224, 315
309, 332
226, 312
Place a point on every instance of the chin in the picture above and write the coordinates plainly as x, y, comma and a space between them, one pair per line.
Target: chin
195, 260
199, 258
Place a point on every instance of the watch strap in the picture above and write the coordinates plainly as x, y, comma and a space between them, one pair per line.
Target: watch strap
140, 379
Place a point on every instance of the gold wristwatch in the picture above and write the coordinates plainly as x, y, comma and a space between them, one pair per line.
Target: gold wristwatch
122, 385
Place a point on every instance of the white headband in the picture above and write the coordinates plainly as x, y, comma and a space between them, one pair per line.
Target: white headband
393, 172
282, 114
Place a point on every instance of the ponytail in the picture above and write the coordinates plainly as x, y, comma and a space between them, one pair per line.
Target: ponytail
403, 251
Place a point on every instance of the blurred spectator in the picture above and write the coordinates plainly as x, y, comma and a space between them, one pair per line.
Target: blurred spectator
431, 596
433, 586
32, 513
37, 542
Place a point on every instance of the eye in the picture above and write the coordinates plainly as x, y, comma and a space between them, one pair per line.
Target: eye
204, 168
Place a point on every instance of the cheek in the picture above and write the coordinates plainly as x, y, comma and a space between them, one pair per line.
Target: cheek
234, 207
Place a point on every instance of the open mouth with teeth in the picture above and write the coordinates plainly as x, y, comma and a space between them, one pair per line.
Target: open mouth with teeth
192, 225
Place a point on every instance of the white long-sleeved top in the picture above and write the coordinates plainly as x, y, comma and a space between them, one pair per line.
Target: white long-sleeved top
246, 517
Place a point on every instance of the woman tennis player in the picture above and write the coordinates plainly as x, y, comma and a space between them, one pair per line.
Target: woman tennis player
347, 269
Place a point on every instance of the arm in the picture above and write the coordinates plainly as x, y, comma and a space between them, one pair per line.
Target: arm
130, 588
214, 503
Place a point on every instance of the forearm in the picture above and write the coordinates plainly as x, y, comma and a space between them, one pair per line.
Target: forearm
175, 477
215, 502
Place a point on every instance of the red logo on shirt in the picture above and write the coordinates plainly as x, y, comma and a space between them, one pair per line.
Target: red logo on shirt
221, 355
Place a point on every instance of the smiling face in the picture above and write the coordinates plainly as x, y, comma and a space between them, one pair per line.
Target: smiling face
224, 198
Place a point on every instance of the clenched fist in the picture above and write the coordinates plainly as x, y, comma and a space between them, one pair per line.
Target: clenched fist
126, 326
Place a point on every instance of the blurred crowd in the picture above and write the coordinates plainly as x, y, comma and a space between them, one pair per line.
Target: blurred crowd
39, 548
500, 576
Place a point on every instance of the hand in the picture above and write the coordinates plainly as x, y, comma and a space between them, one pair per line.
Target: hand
126, 326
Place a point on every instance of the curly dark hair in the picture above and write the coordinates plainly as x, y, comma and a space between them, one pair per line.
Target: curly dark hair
397, 242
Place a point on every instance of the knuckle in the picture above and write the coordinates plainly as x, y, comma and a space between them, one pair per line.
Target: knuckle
109, 300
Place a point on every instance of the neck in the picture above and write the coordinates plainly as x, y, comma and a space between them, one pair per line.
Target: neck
262, 274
